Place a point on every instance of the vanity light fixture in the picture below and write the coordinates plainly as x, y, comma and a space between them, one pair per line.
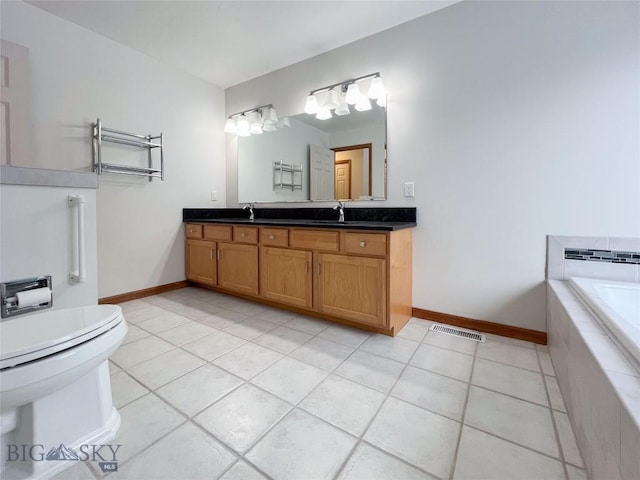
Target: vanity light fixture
242, 126
311, 106
363, 104
284, 122
376, 90
343, 106
324, 113
339, 96
270, 119
353, 94
255, 121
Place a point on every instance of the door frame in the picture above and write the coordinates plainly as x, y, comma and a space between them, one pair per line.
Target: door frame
362, 146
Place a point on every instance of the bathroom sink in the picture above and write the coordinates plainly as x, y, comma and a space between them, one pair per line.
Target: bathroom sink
231, 220
332, 222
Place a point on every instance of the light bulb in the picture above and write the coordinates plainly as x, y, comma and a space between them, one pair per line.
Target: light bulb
242, 126
363, 104
343, 109
353, 94
230, 126
255, 123
323, 114
376, 90
270, 119
332, 100
311, 106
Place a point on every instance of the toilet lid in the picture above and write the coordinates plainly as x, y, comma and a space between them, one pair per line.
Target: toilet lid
30, 337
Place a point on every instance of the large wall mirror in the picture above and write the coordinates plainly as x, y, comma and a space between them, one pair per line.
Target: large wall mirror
342, 158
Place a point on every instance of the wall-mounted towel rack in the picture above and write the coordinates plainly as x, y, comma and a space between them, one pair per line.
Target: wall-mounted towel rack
287, 176
102, 134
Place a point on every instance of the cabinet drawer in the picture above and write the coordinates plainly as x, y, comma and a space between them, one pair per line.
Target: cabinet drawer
367, 243
193, 230
314, 240
217, 232
278, 237
245, 234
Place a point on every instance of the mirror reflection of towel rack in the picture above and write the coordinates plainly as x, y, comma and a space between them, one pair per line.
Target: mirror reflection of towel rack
287, 176
102, 134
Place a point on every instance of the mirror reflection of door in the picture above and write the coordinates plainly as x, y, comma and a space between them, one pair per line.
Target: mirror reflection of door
15, 105
321, 168
352, 172
343, 179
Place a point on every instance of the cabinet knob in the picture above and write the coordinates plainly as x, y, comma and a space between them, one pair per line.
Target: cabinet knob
243, 234
363, 244
272, 237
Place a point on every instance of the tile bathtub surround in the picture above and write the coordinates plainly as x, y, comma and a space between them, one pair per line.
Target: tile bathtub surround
600, 387
611, 256
309, 399
606, 258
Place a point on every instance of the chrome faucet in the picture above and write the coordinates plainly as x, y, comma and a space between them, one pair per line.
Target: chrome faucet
250, 208
340, 208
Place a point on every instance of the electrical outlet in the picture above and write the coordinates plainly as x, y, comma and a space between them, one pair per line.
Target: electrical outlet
408, 189
214, 196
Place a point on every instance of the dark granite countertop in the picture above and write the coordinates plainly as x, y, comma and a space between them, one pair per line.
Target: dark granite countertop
384, 219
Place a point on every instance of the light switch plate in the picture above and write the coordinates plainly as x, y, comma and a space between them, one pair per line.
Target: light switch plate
214, 196
408, 189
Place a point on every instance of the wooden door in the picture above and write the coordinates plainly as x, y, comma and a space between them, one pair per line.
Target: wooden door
15, 106
352, 287
238, 267
286, 276
321, 185
343, 180
201, 261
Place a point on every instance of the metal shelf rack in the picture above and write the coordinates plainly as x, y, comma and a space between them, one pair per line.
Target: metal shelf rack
102, 134
293, 174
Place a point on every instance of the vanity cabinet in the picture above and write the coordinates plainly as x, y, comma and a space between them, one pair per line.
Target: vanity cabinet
360, 278
201, 261
238, 260
238, 267
352, 287
286, 276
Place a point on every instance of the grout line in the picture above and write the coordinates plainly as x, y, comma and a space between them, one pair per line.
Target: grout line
360, 439
553, 421
456, 452
375, 415
530, 402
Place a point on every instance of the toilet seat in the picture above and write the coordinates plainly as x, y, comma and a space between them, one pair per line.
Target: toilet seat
28, 338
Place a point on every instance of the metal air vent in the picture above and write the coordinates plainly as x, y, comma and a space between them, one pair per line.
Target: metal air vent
458, 332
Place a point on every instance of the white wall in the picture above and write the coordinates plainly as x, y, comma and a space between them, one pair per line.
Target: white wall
38, 234
77, 76
514, 120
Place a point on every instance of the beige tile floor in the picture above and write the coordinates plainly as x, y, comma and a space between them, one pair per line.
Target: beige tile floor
213, 387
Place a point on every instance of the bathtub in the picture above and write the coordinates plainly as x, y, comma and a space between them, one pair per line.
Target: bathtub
616, 305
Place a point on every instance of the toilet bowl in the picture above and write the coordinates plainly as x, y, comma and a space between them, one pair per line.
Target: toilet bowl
55, 386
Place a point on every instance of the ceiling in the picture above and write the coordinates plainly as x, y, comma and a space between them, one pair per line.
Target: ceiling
230, 42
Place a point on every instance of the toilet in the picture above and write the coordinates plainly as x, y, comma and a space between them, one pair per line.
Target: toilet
55, 387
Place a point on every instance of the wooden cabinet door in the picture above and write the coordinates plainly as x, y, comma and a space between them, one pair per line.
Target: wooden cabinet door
201, 261
352, 287
286, 276
238, 267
